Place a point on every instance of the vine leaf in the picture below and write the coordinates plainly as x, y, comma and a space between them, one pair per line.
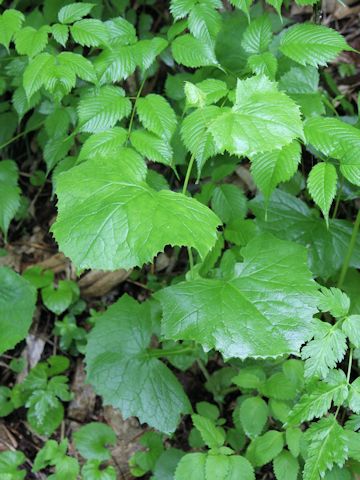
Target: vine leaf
263, 311
110, 218
125, 376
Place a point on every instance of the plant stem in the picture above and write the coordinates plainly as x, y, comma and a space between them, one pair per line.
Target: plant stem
349, 252
203, 369
349, 365
184, 190
134, 109
21, 134
159, 352
338, 197
188, 173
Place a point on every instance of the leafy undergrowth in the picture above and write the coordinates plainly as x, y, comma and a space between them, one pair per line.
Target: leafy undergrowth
179, 284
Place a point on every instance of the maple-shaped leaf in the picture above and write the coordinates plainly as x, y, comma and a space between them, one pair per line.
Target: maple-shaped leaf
262, 119
109, 217
125, 374
263, 311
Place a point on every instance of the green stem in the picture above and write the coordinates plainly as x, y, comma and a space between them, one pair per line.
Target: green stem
21, 134
203, 369
184, 190
134, 110
349, 365
350, 251
160, 352
336, 208
188, 173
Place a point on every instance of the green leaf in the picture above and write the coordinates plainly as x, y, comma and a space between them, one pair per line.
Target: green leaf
350, 327
263, 64
6, 404
94, 470
181, 8
300, 80
10, 23
92, 439
121, 31
127, 377
326, 349
335, 301
243, 5
56, 149
152, 146
310, 44
80, 65
286, 467
211, 89
9, 463
191, 467
97, 197
58, 299
17, 304
262, 119
327, 447
204, 22
90, 33
354, 396
253, 416
50, 454
21, 103
318, 400
33, 78
336, 139
217, 467
289, 218
102, 109
251, 314
279, 387
166, 464
271, 168
9, 193
115, 64
196, 135
192, 52
144, 461
229, 202
156, 115
257, 36
29, 41
265, 448
277, 4
67, 469
293, 440
38, 277
60, 33
321, 184
213, 436
146, 51
74, 11
103, 144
